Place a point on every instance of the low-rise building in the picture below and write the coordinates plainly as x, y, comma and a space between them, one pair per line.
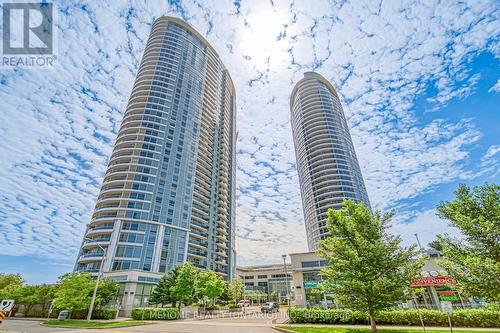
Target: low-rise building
306, 269
264, 283
434, 285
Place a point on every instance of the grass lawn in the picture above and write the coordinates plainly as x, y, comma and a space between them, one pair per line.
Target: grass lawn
92, 324
305, 329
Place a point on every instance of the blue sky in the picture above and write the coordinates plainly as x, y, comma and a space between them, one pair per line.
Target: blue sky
419, 82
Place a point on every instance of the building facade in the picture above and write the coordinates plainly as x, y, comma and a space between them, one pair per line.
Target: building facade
265, 283
326, 161
168, 192
306, 276
434, 285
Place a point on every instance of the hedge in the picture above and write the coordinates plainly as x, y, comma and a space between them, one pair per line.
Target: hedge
460, 318
155, 313
75, 314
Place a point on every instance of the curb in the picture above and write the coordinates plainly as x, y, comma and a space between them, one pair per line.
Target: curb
98, 328
283, 330
444, 329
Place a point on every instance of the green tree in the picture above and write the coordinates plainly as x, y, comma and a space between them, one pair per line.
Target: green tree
73, 291
106, 292
236, 289
208, 284
46, 295
367, 268
162, 294
184, 288
226, 295
475, 260
436, 245
8, 283
27, 296
7, 280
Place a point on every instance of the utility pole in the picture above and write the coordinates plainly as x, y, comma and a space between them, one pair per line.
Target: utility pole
91, 307
418, 242
286, 280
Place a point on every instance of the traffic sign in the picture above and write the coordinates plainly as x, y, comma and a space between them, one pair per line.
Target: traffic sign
447, 307
7, 305
2, 317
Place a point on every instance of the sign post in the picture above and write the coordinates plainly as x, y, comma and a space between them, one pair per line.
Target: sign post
419, 314
5, 306
447, 308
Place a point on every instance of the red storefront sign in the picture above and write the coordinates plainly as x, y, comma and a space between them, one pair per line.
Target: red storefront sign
433, 281
446, 293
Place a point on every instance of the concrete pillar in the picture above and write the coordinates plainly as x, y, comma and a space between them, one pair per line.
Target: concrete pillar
110, 252
158, 247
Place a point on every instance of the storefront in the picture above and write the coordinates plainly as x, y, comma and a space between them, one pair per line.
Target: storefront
428, 291
435, 286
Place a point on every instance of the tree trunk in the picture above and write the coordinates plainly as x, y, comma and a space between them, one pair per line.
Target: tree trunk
373, 325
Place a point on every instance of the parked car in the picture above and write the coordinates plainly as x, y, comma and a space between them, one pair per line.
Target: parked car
270, 307
244, 302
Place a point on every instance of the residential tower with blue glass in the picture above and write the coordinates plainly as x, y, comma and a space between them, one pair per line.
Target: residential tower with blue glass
328, 169
168, 192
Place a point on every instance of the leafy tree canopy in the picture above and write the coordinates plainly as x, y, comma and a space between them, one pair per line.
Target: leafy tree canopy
8, 283
106, 292
162, 294
184, 288
236, 289
208, 284
9, 280
475, 261
73, 291
367, 268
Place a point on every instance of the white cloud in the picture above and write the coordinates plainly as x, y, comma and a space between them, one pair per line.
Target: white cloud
496, 87
58, 126
426, 225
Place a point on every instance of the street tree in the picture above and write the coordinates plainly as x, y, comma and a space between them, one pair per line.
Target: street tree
475, 260
367, 270
226, 295
7, 280
208, 285
162, 294
73, 291
184, 288
106, 292
236, 289
27, 296
8, 283
436, 245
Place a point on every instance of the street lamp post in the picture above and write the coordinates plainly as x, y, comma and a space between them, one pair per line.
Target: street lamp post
92, 301
286, 279
418, 241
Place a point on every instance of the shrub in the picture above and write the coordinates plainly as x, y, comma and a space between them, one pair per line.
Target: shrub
155, 313
105, 313
461, 317
36, 313
234, 306
211, 307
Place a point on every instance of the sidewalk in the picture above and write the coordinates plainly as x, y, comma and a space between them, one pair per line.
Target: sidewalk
395, 327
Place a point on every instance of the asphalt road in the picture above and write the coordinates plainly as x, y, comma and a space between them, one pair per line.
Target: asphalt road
251, 322
26, 326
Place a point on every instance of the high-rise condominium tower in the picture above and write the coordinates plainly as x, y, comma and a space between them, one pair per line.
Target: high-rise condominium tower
168, 192
326, 161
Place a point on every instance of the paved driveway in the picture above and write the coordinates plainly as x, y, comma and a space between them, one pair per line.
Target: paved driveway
251, 322
26, 326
